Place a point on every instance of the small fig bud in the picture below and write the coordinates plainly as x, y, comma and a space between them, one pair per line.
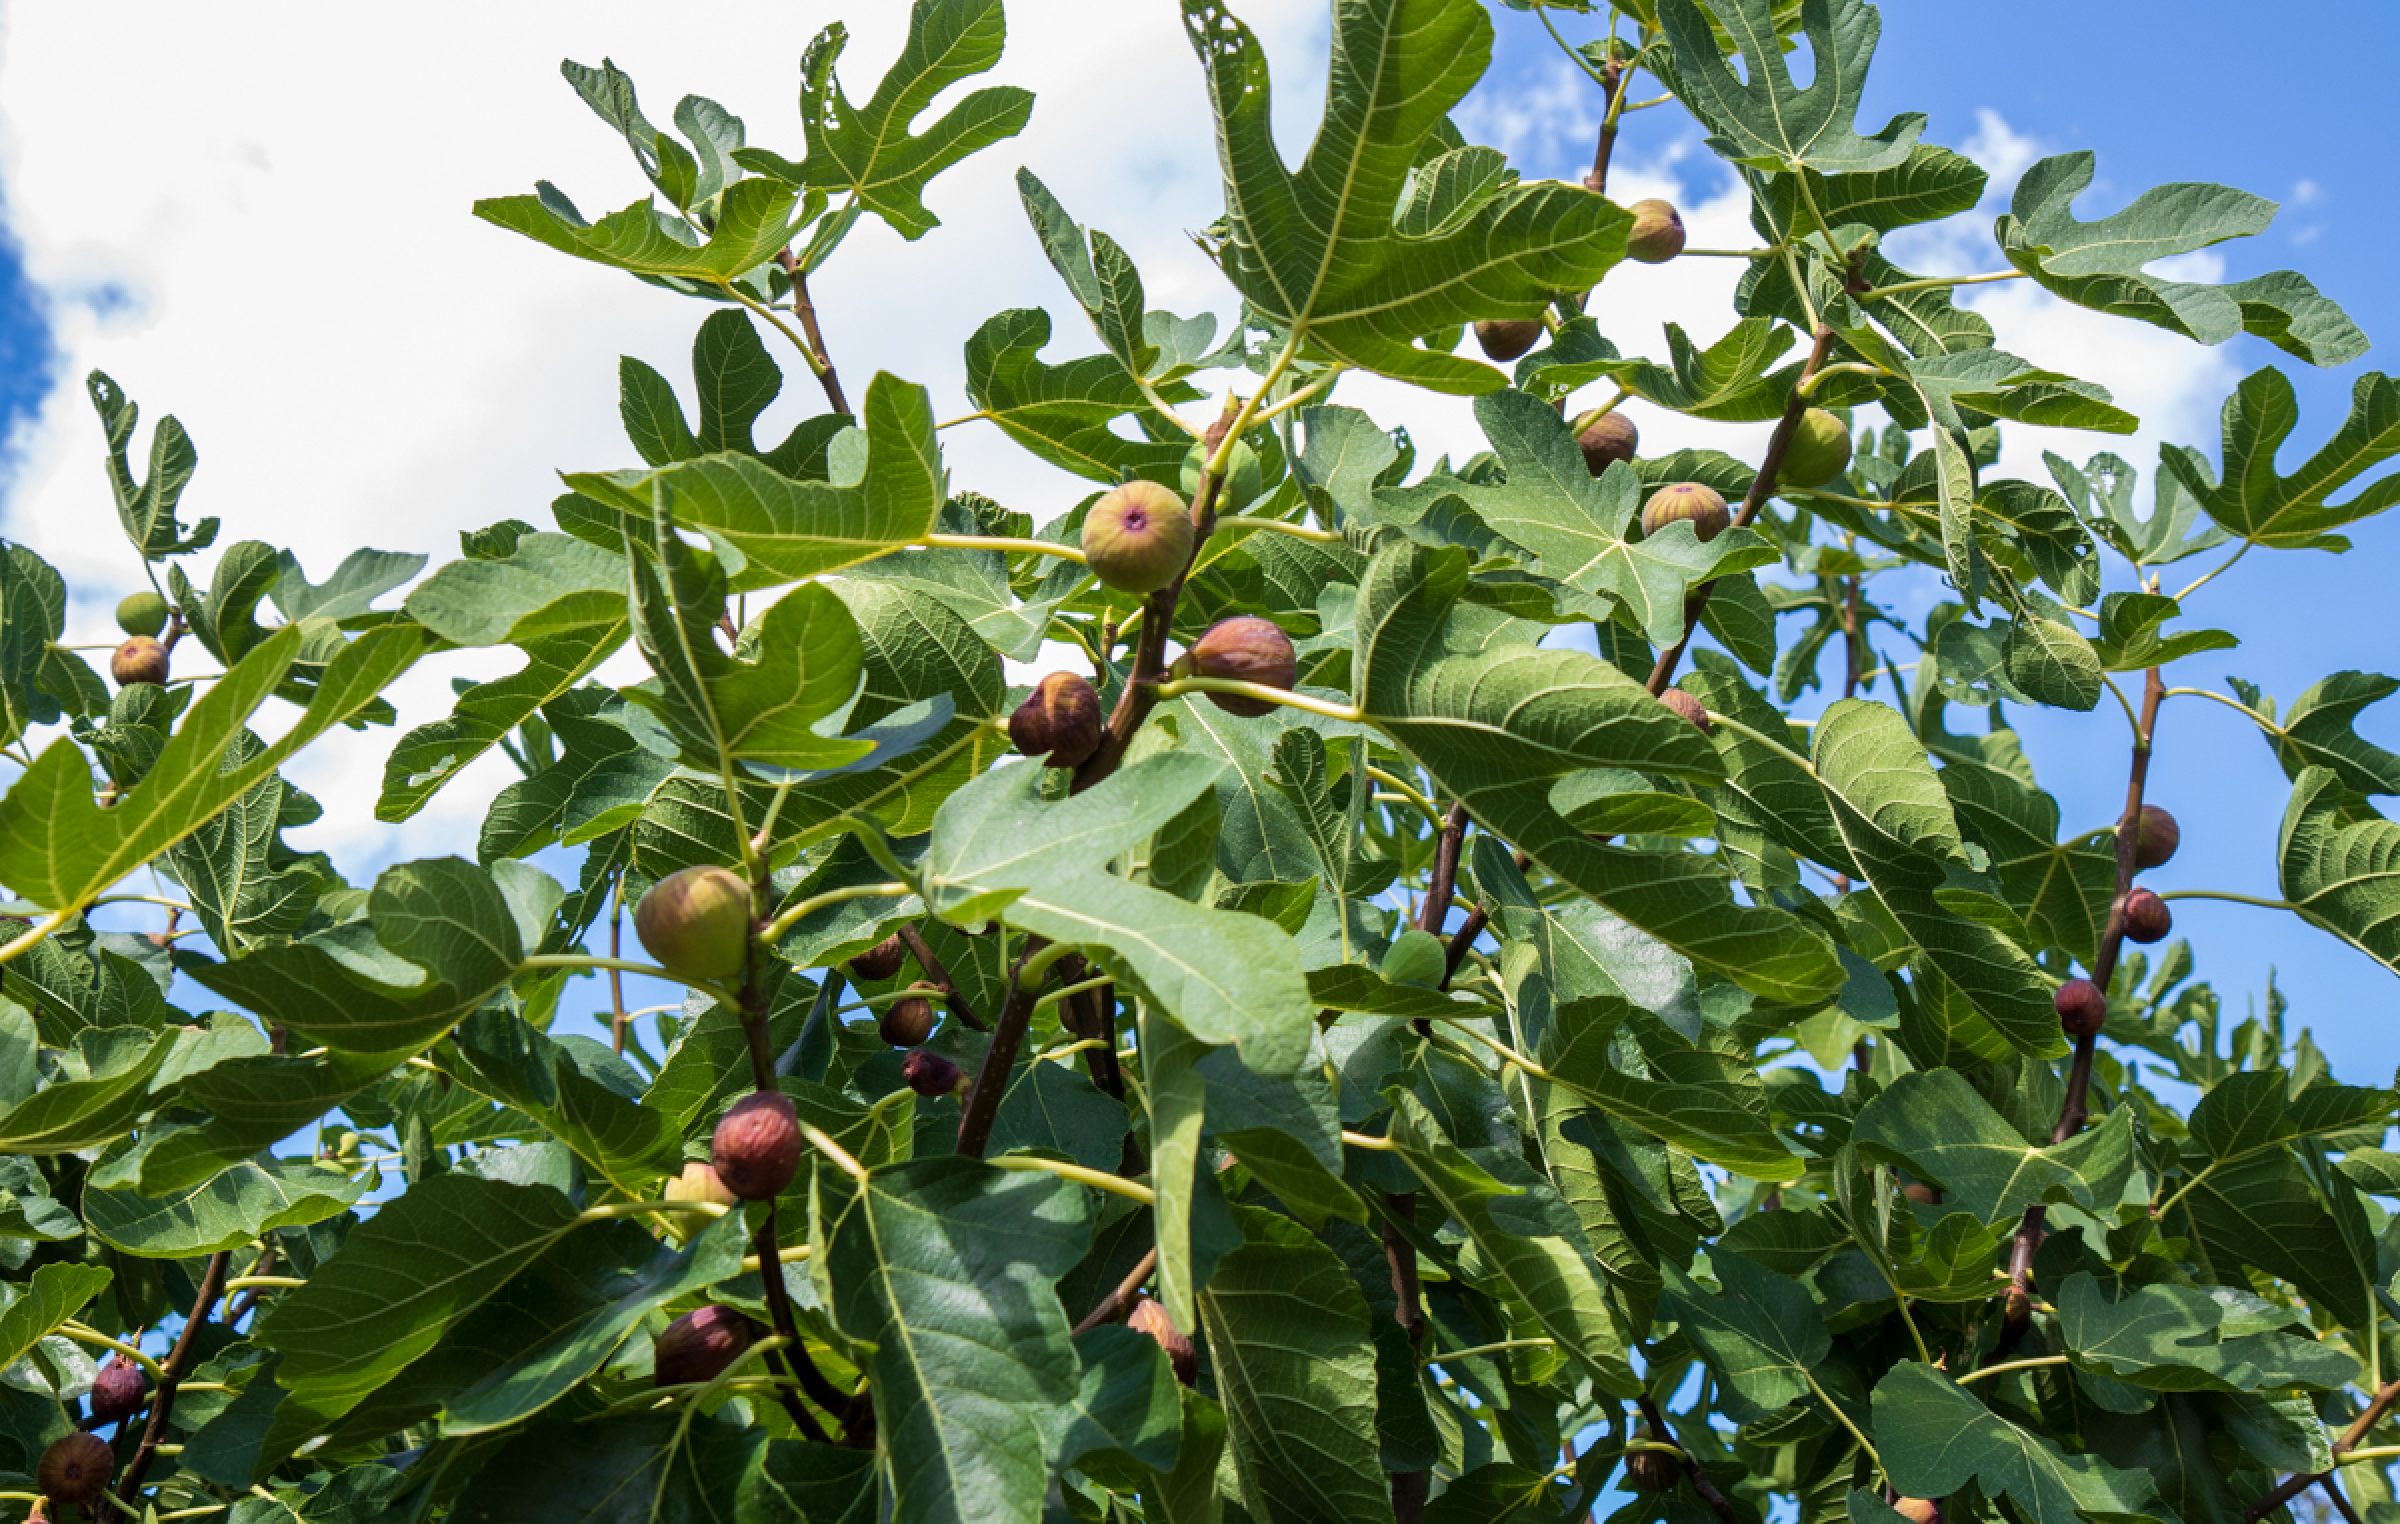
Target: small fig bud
696, 921
1651, 1470
117, 1391
1240, 486
142, 614
1657, 234
2147, 918
1149, 1318
2155, 838
1138, 538
1689, 707
1819, 450
906, 1023
75, 1470
930, 1074
1505, 339
1922, 1194
2081, 1007
1059, 722
1245, 649
882, 960
1688, 502
699, 1345
699, 1182
1607, 439
756, 1147
1918, 1510
139, 660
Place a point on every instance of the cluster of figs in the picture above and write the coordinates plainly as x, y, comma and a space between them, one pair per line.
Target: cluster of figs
2082, 1005
75, 1469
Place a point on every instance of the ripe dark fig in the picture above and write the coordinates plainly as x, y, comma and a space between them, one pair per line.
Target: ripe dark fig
142, 614
2081, 1007
882, 960
1505, 339
139, 660
1243, 476
696, 922
1138, 538
2147, 918
1149, 1318
75, 1470
1607, 439
756, 1147
1688, 502
117, 1391
1819, 450
700, 1182
906, 1023
699, 1345
2155, 838
1689, 707
1059, 722
1651, 1470
930, 1074
1245, 649
1657, 234
1918, 1510
1922, 1194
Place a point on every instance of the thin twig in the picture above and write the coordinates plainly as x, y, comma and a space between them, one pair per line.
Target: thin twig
1718, 1503
939, 976
1000, 1057
178, 1363
1112, 1306
816, 337
2300, 1481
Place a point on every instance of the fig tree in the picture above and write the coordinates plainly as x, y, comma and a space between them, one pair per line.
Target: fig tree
1244, 649
1687, 502
1243, 476
1060, 721
699, 1182
882, 960
908, 1022
696, 923
1506, 339
2155, 838
756, 1147
1657, 234
2081, 1007
1689, 707
1151, 1319
75, 1470
2147, 918
930, 1074
142, 614
1819, 450
1607, 439
699, 1345
1138, 538
117, 1391
139, 660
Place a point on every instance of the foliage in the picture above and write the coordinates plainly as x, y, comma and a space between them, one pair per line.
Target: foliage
1517, 1093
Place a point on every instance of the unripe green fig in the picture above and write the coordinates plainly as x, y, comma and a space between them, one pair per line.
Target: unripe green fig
1689, 707
696, 922
1689, 502
1138, 538
139, 660
2147, 918
1244, 649
1819, 450
1060, 721
699, 1345
756, 1147
1505, 339
1657, 234
1151, 1319
142, 614
117, 1391
930, 1074
1607, 439
2081, 1007
75, 1470
2155, 838
699, 1182
905, 1023
1243, 477
882, 960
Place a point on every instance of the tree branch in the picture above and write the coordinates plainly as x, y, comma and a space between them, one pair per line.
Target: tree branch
952, 1000
1718, 1503
178, 1364
1000, 1058
1112, 1306
807, 311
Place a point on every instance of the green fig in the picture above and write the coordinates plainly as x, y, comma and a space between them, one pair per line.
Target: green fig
139, 660
1138, 538
1688, 502
1818, 452
696, 922
1657, 234
1607, 439
142, 614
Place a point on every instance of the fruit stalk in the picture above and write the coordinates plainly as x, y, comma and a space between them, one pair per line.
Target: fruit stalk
952, 1000
171, 1373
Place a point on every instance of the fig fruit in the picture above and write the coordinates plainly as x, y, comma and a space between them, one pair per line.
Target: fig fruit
700, 1182
1922, 1194
1651, 1470
1918, 1510
2147, 918
1689, 707
1149, 1318
1607, 439
139, 660
906, 1023
699, 1345
1060, 721
1245, 649
1818, 452
930, 1074
2081, 1007
1138, 538
1505, 339
882, 960
1657, 234
75, 1470
2155, 838
1687, 502
117, 1391
696, 922
756, 1147
1243, 476
142, 614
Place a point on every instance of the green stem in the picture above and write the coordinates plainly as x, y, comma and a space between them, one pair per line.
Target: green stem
1487, 1349
714, 992
2038, 1362
1938, 283
1099, 1180
2221, 568
1843, 1418
2263, 723
2229, 897
1004, 543
1183, 685
1283, 526
816, 366
774, 930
